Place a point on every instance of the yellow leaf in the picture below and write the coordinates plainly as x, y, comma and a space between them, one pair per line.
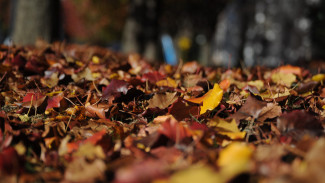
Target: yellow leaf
96, 75
257, 83
90, 151
283, 78
95, 60
318, 77
234, 159
212, 99
223, 125
274, 94
167, 82
196, 173
229, 129
53, 93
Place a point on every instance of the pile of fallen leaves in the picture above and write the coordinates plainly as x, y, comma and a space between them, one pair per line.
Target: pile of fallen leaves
82, 114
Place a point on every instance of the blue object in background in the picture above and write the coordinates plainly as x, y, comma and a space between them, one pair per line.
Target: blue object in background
168, 49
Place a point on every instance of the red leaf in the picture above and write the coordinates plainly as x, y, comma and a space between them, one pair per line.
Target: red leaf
115, 88
174, 130
54, 101
33, 98
180, 110
93, 140
9, 161
153, 77
199, 126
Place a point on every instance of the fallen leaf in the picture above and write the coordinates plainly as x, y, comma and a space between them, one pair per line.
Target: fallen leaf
292, 121
115, 88
180, 110
81, 170
190, 67
210, 100
174, 130
153, 77
224, 84
234, 159
54, 101
285, 79
85, 74
162, 101
196, 173
252, 107
227, 128
94, 111
34, 99
271, 110
289, 69
318, 77
169, 82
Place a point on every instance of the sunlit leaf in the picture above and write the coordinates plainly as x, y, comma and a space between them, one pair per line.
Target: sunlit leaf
167, 82
228, 128
285, 79
318, 77
210, 100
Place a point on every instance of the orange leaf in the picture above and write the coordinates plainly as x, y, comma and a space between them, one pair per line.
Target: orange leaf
92, 140
224, 84
290, 69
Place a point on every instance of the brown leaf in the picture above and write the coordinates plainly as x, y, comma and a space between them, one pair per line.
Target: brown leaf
94, 111
162, 101
271, 110
80, 170
180, 110
252, 107
299, 121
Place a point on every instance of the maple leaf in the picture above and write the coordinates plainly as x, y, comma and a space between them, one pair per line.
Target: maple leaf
174, 130
180, 110
169, 82
153, 77
84, 74
270, 111
73, 146
285, 79
190, 67
95, 111
115, 88
211, 99
54, 101
34, 99
224, 127
162, 101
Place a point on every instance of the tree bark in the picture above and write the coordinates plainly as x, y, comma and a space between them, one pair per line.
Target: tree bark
35, 19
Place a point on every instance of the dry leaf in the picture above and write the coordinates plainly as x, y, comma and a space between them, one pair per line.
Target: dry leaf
271, 110
162, 101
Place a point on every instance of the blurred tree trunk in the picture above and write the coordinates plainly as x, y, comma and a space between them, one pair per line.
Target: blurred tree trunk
141, 29
36, 19
265, 32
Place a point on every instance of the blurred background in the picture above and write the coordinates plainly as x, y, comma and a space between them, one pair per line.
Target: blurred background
214, 32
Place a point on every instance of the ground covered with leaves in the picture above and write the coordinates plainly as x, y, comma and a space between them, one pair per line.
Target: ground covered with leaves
74, 113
